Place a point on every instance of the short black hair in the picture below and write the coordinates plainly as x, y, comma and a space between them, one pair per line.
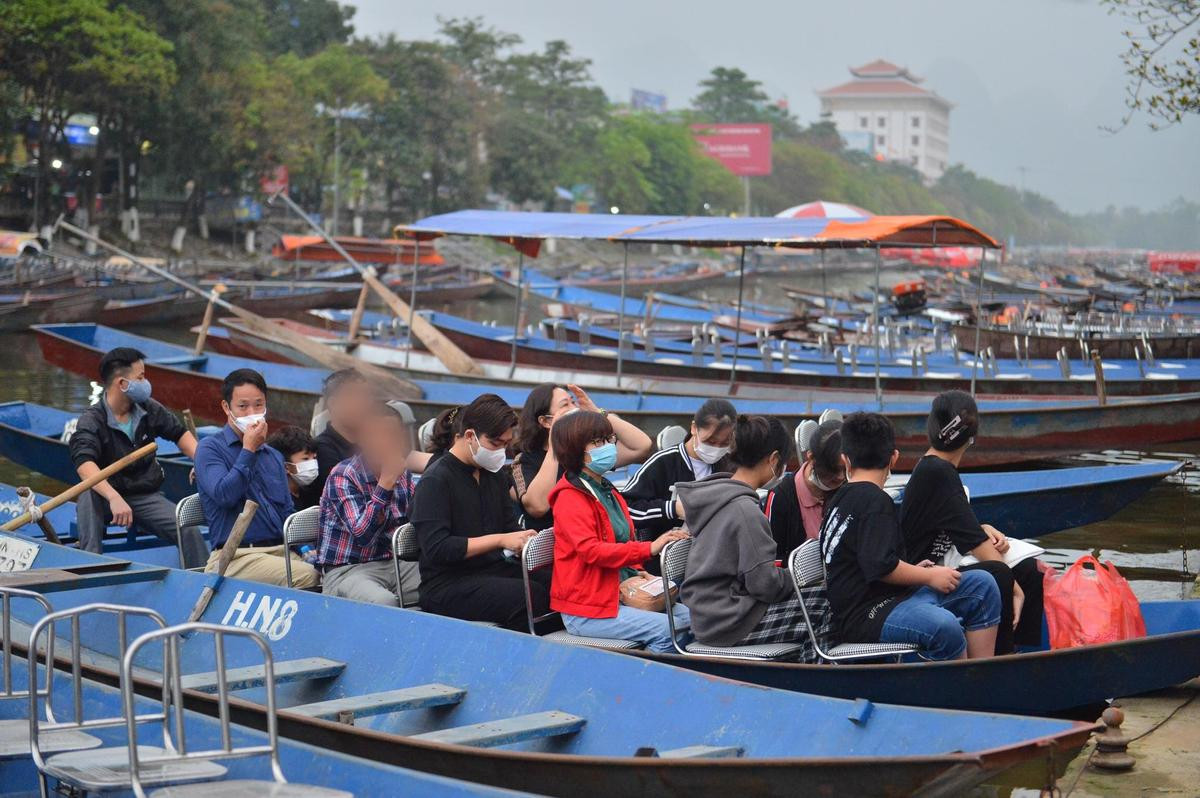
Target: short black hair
239, 377
755, 437
117, 362
868, 440
953, 421
337, 380
291, 440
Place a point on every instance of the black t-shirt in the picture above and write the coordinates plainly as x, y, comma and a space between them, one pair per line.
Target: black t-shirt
448, 507
861, 544
783, 512
936, 513
530, 463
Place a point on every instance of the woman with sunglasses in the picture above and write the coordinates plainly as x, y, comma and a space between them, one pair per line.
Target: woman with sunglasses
594, 546
796, 507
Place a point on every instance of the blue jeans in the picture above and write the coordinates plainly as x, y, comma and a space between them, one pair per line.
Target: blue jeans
648, 628
934, 621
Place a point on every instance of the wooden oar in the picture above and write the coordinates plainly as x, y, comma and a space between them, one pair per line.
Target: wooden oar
48, 530
75, 490
445, 350
228, 551
393, 385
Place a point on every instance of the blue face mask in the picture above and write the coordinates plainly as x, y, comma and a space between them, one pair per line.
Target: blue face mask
138, 391
604, 458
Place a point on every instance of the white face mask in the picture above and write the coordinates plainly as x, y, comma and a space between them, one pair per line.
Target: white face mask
774, 483
710, 454
306, 472
488, 459
245, 422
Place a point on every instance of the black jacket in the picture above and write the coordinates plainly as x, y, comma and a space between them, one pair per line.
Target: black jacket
648, 494
95, 441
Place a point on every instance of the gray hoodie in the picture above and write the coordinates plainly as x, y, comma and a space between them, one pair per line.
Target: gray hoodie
731, 576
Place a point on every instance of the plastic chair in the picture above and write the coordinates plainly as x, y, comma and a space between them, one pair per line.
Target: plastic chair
173, 694
538, 552
670, 437
673, 559
808, 570
302, 526
188, 512
404, 549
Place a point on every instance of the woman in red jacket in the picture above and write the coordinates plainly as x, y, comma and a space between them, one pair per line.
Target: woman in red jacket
593, 546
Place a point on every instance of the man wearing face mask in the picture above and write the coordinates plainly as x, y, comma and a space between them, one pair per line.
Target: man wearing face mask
365, 499
237, 464
125, 419
299, 453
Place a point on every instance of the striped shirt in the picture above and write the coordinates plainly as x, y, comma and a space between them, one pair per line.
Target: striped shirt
358, 517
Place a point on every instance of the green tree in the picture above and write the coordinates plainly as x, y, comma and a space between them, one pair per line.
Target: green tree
305, 27
729, 95
1162, 60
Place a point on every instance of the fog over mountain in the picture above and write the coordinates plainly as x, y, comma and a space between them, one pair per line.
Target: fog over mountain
1033, 81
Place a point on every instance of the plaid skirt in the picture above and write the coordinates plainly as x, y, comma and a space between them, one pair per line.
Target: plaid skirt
783, 622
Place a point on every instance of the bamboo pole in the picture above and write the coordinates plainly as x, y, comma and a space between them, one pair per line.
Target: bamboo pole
359, 309
228, 552
43, 522
202, 336
445, 350
189, 421
87, 484
1098, 367
400, 389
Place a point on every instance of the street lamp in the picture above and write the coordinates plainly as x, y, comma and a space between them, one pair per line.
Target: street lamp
350, 112
614, 209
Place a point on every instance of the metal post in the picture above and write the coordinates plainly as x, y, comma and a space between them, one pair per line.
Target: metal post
412, 298
746, 200
824, 286
621, 316
737, 332
978, 320
512, 365
875, 330
337, 165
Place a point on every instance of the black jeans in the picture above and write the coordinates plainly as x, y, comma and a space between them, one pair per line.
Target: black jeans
495, 594
1027, 575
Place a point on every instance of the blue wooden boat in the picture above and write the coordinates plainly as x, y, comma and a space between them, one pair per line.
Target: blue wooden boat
1035, 682
31, 436
301, 763
1016, 430
127, 543
511, 710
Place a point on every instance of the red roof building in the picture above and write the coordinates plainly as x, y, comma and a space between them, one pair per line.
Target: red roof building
884, 110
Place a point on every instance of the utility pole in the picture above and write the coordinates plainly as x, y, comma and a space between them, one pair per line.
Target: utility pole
746, 191
337, 165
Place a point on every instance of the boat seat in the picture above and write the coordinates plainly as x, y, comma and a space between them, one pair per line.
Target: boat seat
14, 740
420, 697
760, 651
507, 731
247, 788
292, 670
703, 752
106, 769
610, 643
191, 361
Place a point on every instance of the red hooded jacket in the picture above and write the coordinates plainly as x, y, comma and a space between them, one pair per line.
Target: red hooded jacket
587, 557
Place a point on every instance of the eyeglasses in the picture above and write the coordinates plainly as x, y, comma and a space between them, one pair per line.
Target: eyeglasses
602, 441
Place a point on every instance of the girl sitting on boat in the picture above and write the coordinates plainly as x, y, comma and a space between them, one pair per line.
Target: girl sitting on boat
650, 494
736, 593
593, 545
536, 470
467, 525
940, 526
795, 507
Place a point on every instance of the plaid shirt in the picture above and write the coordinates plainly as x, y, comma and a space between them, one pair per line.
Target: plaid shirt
358, 517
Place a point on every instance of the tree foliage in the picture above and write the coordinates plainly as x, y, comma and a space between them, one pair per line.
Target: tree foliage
1162, 59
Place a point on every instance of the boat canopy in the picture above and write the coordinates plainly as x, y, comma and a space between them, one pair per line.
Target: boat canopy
526, 231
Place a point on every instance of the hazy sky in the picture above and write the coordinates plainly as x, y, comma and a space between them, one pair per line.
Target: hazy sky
1032, 80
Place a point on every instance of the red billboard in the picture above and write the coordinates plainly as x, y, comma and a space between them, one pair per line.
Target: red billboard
744, 149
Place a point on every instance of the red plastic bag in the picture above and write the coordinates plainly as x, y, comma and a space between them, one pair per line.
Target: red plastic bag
1085, 606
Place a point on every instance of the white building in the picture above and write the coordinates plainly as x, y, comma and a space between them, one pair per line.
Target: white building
885, 111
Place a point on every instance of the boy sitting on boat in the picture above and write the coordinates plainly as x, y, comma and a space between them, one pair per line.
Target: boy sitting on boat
236, 464
299, 452
875, 595
365, 499
125, 419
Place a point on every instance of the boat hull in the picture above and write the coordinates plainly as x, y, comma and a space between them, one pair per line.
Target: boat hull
1035, 683
793, 744
66, 308
1046, 347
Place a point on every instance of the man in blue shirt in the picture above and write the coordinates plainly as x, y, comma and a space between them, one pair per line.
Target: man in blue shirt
236, 465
